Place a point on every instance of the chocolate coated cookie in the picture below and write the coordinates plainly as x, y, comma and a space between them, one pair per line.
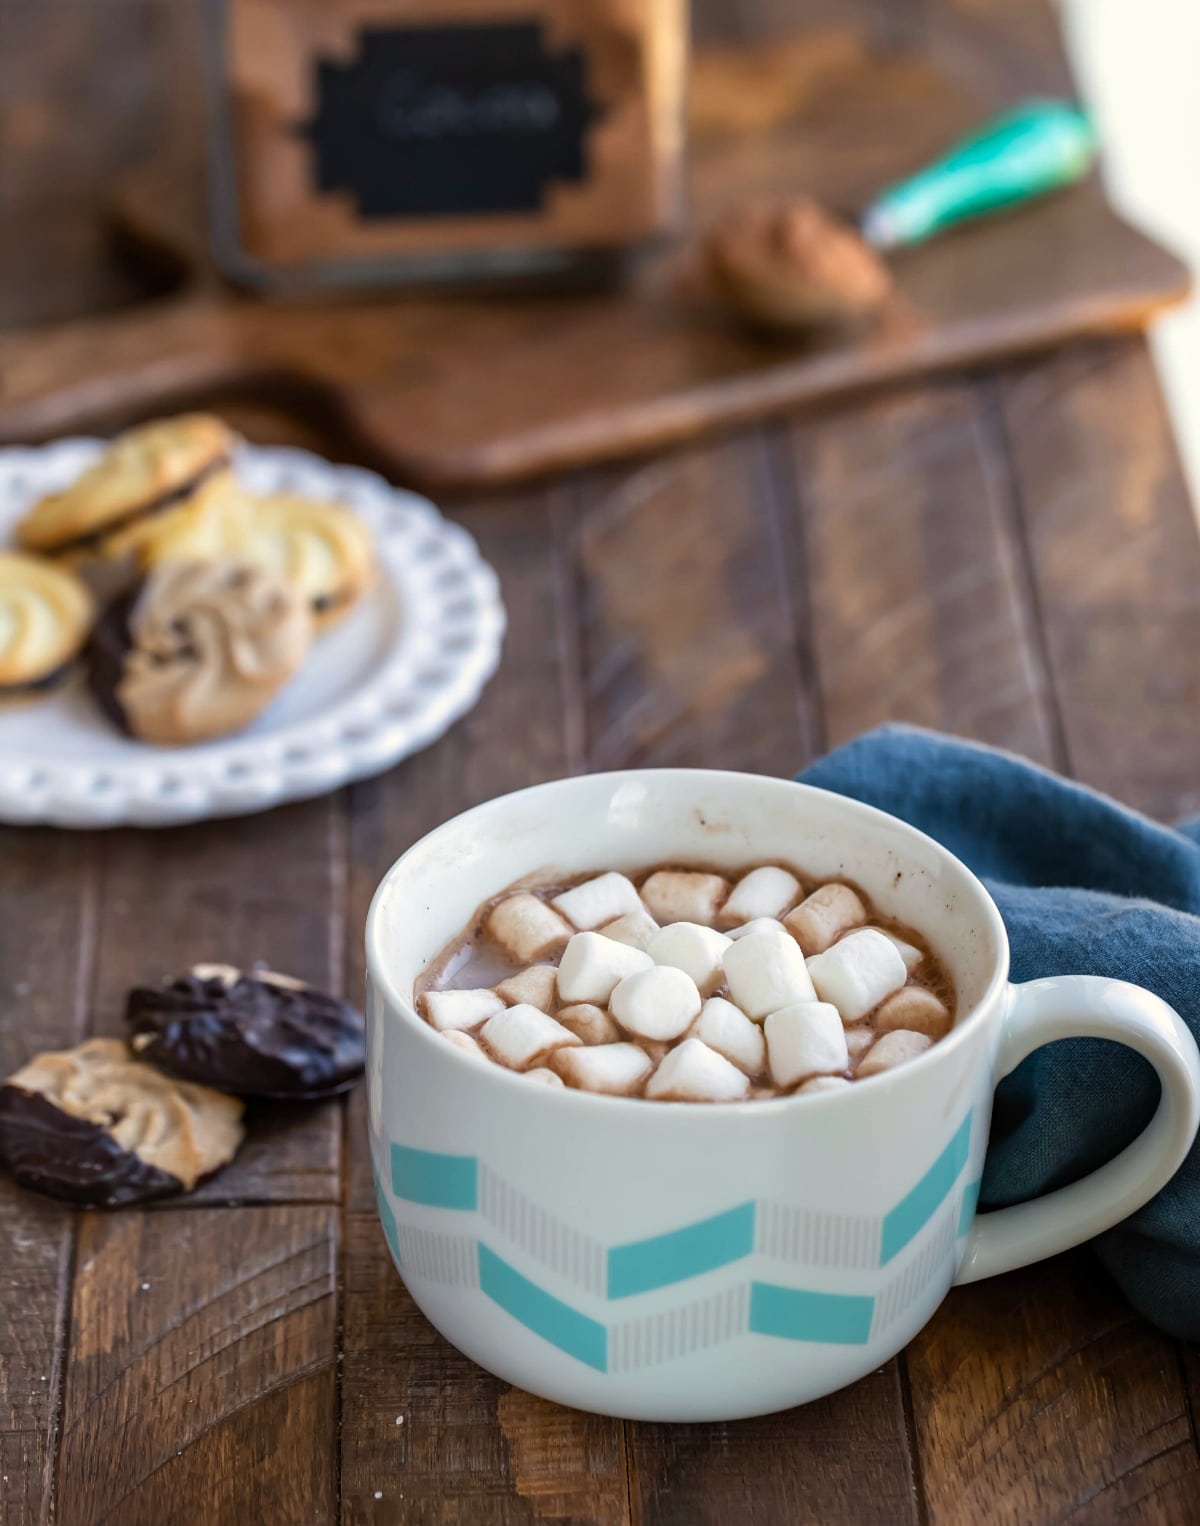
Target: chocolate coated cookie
96, 1126
253, 1032
198, 650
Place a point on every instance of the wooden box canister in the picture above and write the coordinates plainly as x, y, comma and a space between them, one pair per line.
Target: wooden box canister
378, 140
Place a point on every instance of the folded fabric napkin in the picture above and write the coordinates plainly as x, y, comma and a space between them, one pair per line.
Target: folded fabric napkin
1085, 886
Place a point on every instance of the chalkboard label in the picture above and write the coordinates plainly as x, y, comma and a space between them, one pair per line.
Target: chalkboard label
451, 121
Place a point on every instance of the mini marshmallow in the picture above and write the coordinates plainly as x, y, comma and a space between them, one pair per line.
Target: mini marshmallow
692, 1072
636, 929
759, 925
598, 901
805, 1040
465, 1042
526, 928
857, 973
543, 1076
535, 986
821, 918
766, 972
460, 1009
592, 965
684, 895
518, 1036
695, 950
822, 1084
618, 1070
730, 1032
895, 1048
765, 892
658, 1003
858, 1041
909, 952
592, 1024
916, 1009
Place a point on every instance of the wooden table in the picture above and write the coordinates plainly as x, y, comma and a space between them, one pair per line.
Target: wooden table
1010, 556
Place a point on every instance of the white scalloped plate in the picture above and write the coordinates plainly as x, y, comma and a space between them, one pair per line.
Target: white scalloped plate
408, 661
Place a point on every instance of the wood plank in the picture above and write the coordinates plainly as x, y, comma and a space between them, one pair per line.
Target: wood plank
437, 1439
202, 1373
258, 888
841, 1459
917, 606
471, 1448
926, 609
691, 629
46, 946
1040, 1396
1116, 563
687, 624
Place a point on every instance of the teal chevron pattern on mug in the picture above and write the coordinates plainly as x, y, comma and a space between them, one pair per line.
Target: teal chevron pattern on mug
796, 1237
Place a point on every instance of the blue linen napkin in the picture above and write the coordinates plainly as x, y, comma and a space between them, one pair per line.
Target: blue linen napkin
1085, 886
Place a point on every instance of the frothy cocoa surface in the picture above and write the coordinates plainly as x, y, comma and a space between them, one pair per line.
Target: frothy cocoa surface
474, 961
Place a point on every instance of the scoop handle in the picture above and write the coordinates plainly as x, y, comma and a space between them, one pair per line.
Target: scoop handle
1038, 147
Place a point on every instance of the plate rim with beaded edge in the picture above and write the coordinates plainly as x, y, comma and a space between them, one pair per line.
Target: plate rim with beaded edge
433, 624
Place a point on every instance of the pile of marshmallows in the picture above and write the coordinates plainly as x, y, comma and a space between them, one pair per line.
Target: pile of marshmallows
637, 974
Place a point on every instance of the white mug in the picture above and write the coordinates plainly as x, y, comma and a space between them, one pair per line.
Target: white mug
675, 1261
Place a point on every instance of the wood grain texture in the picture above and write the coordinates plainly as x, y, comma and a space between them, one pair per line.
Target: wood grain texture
686, 621
844, 1458
1116, 565
201, 1374
439, 1440
917, 608
470, 1449
47, 940
1040, 1397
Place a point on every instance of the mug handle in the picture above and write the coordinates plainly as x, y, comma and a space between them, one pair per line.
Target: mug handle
1091, 1006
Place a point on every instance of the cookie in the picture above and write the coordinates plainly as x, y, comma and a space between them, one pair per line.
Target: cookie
322, 548
790, 265
97, 1126
197, 650
252, 1032
144, 475
45, 615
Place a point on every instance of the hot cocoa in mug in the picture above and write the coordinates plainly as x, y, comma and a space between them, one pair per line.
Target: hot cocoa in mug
680, 1081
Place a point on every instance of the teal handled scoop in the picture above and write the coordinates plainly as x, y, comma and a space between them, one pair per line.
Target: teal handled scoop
1036, 148
788, 265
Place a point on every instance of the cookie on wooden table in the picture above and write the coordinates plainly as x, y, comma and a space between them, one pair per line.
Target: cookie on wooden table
256, 1033
197, 650
789, 265
45, 615
323, 548
143, 476
99, 1127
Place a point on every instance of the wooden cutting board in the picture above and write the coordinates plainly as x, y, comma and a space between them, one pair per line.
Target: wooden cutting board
455, 392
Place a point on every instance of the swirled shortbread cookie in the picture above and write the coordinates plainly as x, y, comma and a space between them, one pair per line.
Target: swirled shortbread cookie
45, 615
197, 650
322, 548
94, 1125
145, 474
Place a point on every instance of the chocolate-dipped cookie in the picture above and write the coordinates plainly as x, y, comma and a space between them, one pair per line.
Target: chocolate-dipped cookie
45, 615
96, 1126
253, 1032
323, 549
144, 475
197, 650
